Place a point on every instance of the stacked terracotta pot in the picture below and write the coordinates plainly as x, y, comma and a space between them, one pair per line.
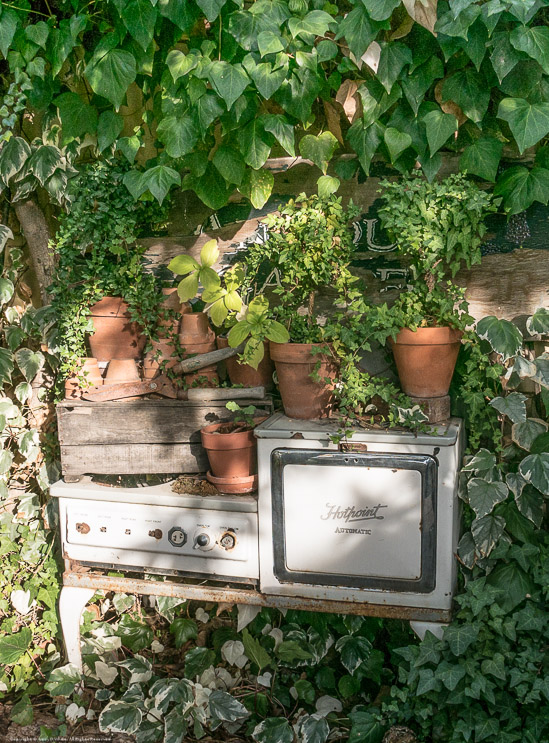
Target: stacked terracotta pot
88, 374
197, 337
163, 351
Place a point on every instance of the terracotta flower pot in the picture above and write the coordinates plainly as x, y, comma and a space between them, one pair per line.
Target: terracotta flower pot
162, 352
121, 370
197, 337
88, 375
233, 485
426, 359
171, 309
302, 397
231, 455
115, 336
245, 374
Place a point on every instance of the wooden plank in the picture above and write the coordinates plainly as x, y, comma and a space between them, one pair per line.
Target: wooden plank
133, 459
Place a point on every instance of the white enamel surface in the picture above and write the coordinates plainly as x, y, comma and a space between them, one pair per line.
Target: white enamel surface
353, 520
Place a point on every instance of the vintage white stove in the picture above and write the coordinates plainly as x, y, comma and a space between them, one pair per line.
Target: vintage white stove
371, 530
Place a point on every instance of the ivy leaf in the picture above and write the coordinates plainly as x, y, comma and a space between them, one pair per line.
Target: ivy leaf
229, 163
486, 532
23, 392
282, 130
13, 157
396, 142
296, 95
366, 727
120, 717
535, 469
482, 158
8, 27
289, 651
530, 503
208, 109
440, 127
225, 707
327, 185
393, 58
179, 133
504, 57
319, 149
538, 324
135, 635
504, 337
529, 122
109, 127
254, 144
6, 291
159, 180
526, 432
62, 681
316, 23
129, 147
211, 8
255, 651
457, 26
266, 78
12, 647
449, 674
359, 30
181, 12
326, 50
197, 661
534, 41
520, 187
273, 730
62, 41
269, 42
6, 365
257, 185
514, 583
212, 189
484, 495
111, 74
365, 141
44, 161
460, 637
353, 650
77, 117
180, 64
469, 90
315, 729
513, 406
30, 362
5, 235
418, 83
228, 80
183, 629
139, 17
6, 460
380, 10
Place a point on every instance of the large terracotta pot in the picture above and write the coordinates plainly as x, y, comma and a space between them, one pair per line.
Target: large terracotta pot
87, 375
245, 374
197, 337
115, 336
302, 397
426, 359
232, 457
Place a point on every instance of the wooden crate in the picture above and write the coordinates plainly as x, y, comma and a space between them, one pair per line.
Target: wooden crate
137, 436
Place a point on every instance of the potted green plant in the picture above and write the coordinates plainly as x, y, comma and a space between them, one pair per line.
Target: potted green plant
437, 228
232, 451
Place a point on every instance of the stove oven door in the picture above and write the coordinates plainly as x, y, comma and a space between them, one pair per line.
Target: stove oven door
363, 520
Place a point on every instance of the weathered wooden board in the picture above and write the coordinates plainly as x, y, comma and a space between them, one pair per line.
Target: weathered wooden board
138, 436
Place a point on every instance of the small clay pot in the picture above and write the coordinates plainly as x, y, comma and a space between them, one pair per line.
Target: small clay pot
90, 376
232, 454
115, 336
121, 370
425, 360
170, 319
162, 350
195, 329
302, 397
245, 374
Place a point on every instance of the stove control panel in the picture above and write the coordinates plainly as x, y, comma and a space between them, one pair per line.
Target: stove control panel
191, 532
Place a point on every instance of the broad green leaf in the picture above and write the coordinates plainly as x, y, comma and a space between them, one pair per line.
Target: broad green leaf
290, 651
482, 158
488, 727
44, 161
30, 362
396, 142
13, 156
535, 469
416, 84
6, 290
160, 179
6, 460
120, 717
365, 141
297, 95
228, 80
380, 10
135, 635
504, 337
61, 42
269, 42
440, 127
208, 109
139, 17
77, 117
484, 495
450, 26
23, 392
486, 532
179, 133
534, 41
514, 583
326, 50
526, 432
316, 23
111, 74
538, 324
255, 651
257, 185
504, 57
450, 674
273, 730
315, 729
529, 122
14, 336
319, 149
211, 8
530, 504
181, 12
180, 64
327, 185
8, 27
230, 164
366, 726
209, 253
238, 334
359, 30
6, 365
62, 681
5, 235
512, 405
197, 661
129, 147
212, 189
353, 650
460, 637
22, 712
175, 728
188, 287
469, 90
109, 126
475, 44
541, 376
225, 707
520, 187
393, 58
266, 78
282, 130
255, 144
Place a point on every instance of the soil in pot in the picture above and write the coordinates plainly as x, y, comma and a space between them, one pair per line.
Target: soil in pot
245, 374
302, 396
115, 336
426, 359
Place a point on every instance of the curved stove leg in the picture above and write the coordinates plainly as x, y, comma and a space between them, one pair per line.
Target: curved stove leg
72, 601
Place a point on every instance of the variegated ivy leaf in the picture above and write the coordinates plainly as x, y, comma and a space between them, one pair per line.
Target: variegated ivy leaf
504, 337
482, 462
62, 681
29, 445
484, 495
5, 235
139, 667
542, 370
233, 653
526, 432
225, 707
30, 362
23, 392
535, 469
120, 717
166, 606
515, 483
538, 324
6, 290
105, 673
486, 532
513, 406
